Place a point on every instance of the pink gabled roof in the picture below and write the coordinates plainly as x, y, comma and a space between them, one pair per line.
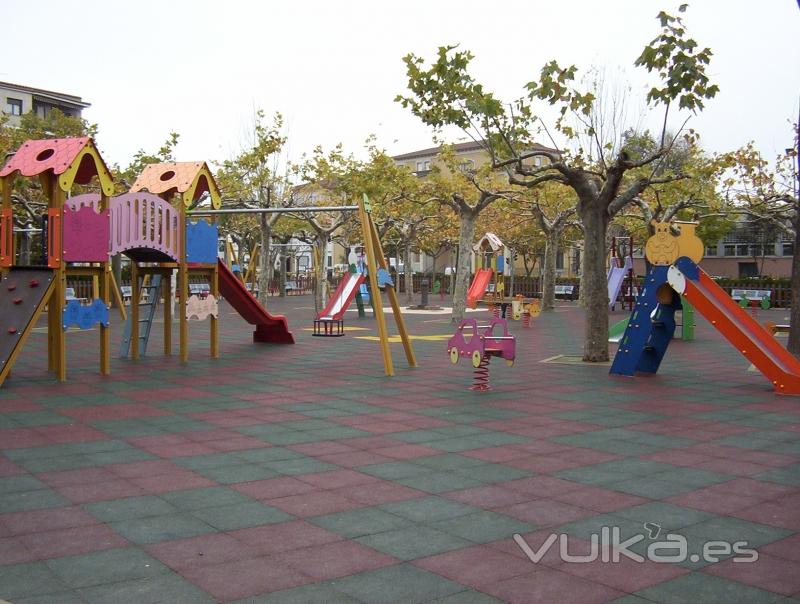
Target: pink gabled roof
35, 157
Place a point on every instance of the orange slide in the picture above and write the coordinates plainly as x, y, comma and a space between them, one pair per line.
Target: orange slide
760, 347
478, 287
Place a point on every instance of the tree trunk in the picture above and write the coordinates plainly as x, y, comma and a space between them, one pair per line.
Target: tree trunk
549, 272
408, 275
582, 283
321, 295
466, 235
794, 314
594, 283
264, 261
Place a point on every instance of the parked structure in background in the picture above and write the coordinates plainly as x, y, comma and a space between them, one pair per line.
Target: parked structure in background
18, 100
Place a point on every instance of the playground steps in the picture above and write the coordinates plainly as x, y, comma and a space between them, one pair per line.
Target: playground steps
650, 328
147, 311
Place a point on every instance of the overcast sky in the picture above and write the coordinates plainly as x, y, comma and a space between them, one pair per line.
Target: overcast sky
333, 68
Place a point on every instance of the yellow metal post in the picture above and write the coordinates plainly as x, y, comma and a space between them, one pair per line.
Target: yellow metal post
398, 315
183, 289
214, 327
375, 292
166, 288
135, 294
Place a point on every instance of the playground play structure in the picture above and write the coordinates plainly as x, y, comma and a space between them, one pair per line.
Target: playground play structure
675, 277
377, 271
479, 343
620, 277
490, 270
150, 225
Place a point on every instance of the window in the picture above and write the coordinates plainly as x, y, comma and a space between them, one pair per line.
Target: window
467, 166
787, 249
419, 166
13, 106
560, 261
748, 269
711, 250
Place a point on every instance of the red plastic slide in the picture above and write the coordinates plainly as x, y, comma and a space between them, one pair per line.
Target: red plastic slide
268, 328
760, 347
478, 287
344, 294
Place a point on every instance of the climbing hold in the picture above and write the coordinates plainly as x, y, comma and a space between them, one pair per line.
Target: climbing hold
17, 300
34, 283
12, 330
12, 287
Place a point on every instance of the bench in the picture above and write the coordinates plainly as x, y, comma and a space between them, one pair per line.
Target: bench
569, 292
201, 290
125, 292
752, 297
751, 294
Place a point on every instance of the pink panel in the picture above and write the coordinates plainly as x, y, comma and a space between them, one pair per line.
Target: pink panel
142, 220
85, 235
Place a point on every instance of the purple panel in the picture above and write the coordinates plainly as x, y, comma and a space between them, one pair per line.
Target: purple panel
85, 235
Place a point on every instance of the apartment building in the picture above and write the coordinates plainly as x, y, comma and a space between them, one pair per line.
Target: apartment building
17, 100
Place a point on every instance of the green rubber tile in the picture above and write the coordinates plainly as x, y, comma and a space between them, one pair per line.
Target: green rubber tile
338, 433
458, 444
666, 515
725, 528
592, 475
242, 472
454, 431
148, 590
700, 587
57, 464
586, 527
400, 583
205, 497
241, 515
788, 475
66, 450
395, 470
413, 542
449, 461
268, 454
416, 436
498, 439
693, 477
785, 448
20, 483
469, 596
129, 507
483, 526
294, 467
493, 473
441, 482
107, 566
360, 522
296, 437
650, 487
31, 500
262, 431
102, 458
316, 593
30, 419
428, 509
33, 579
128, 428
161, 528
63, 597
308, 424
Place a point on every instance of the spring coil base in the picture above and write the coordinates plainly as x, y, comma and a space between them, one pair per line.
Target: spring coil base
480, 376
